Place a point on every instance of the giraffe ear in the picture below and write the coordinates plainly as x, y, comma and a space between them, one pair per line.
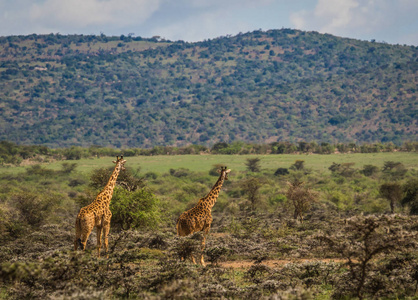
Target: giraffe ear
227, 171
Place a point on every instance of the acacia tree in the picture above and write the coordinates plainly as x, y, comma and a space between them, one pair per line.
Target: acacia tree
298, 165
301, 198
392, 191
361, 241
251, 187
253, 164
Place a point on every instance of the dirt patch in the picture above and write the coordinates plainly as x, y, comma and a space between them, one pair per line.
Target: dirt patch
276, 263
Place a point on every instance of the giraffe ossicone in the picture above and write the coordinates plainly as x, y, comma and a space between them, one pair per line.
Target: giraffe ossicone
199, 218
97, 214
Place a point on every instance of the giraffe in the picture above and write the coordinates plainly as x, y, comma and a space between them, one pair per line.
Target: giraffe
97, 214
199, 218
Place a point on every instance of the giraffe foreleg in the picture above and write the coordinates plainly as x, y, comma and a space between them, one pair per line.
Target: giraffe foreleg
206, 231
202, 261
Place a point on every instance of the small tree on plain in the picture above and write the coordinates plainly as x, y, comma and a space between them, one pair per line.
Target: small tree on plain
298, 165
251, 187
391, 191
253, 164
301, 198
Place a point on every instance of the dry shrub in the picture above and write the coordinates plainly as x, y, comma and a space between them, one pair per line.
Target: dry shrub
364, 242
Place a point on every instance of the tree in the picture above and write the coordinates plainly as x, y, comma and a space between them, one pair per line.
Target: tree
251, 187
360, 241
344, 169
132, 210
391, 191
394, 170
298, 165
253, 164
369, 170
301, 198
410, 198
131, 182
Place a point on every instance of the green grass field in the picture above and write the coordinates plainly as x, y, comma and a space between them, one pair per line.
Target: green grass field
203, 163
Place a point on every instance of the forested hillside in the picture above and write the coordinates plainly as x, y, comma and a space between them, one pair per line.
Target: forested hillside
258, 87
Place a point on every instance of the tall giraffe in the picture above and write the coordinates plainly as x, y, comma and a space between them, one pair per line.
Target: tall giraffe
199, 218
97, 214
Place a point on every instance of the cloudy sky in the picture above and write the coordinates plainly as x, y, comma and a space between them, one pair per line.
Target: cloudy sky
391, 21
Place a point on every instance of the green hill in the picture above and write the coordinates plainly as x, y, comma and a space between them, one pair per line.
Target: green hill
279, 85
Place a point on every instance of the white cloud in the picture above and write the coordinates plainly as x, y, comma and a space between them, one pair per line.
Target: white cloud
393, 21
81, 13
74, 16
358, 18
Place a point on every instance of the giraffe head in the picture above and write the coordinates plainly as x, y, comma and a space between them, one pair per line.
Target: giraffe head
224, 172
121, 162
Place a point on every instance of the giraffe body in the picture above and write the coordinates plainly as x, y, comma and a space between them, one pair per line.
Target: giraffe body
199, 218
97, 214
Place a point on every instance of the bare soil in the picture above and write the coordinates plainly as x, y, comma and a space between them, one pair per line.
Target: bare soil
276, 263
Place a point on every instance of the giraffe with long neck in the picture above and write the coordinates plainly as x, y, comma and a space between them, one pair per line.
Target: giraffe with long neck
199, 218
97, 214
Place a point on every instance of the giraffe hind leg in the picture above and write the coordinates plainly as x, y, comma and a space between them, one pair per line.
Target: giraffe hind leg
77, 240
80, 244
99, 240
106, 230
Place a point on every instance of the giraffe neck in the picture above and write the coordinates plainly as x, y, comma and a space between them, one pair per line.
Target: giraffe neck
210, 199
106, 194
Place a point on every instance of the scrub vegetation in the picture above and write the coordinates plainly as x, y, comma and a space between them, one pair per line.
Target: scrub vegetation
285, 226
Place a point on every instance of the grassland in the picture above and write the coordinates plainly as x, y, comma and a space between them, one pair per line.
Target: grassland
163, 163
255, 250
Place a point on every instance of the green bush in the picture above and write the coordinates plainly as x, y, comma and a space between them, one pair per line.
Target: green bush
369, 170
32, 208
410, 198
132, 210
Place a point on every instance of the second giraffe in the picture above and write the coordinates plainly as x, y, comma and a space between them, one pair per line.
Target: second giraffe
199, 218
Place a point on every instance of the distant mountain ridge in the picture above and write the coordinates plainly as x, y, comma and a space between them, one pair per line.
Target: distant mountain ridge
261, 87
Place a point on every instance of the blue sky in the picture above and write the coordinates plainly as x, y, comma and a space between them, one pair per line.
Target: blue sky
391, 21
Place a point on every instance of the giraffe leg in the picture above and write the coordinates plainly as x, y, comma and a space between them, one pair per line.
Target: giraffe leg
202, 261
84, 238
192, 258
99, 239
106, 230
77, 240
206, 231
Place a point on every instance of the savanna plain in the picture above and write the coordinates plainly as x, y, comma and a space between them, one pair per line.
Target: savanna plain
289, 226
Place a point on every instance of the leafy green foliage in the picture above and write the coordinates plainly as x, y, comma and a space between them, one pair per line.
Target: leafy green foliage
392, 191
135, 210
369, 170
410, 198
